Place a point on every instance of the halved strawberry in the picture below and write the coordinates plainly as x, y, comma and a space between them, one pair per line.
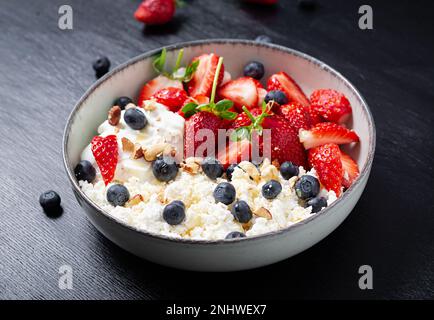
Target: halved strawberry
105, 152
156, 85
327, 132
242, 91
235, 152
282, 81
351, 170
326, 160
331, 105
172, 98
261, 96
203, 77
314, 116
296, 114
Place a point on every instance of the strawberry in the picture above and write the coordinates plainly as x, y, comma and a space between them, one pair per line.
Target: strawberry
156, 85
105, 152
173, 98
296, 114
327, 132
326, 160
350, 168
155, 11
242, 91
243, 120
314, 116
331, 105
283, 82
202, 79
235, 152
261, 96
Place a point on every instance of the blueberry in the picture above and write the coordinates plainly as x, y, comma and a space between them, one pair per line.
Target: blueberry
230, 170
254, 69
164, 169
85, 171
277, 96
122, 102
225, 193
101, 66
271, 189
307, 187
118, 195
235, 235
241, 211
307, 5
316, 203
50, 201
174, 212
263, 38
135, 118
288, 170
212, 168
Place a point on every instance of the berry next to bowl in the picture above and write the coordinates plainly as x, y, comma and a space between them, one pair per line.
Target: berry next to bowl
200, 154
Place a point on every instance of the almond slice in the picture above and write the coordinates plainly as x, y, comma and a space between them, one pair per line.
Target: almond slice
158, 149
251, 170
127, 145
114, 115
137, 152
263, 213
191, 165
134, 201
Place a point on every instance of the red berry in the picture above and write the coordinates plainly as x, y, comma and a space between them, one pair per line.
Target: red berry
283, 82
203, 78
296, 115
327, 132
242, 91
156, 85
173, 98
105, 152
350, 168
155, 11
331, 105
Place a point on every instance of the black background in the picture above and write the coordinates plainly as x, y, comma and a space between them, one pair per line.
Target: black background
44, 70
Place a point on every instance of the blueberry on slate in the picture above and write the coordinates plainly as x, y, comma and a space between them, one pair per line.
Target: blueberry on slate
212, 168
174, 212
135, 119
122, 102
254, 69
271, 189
316, 203
307, 5
307, 187
164, 168
241, 211
118, 195
263, 38
225, 193
277, 96
85, 171
288, 170
230, 170
235, 235
50, 201
101, 66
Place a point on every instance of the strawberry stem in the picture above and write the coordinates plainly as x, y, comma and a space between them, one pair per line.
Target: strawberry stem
178, 60
216, 77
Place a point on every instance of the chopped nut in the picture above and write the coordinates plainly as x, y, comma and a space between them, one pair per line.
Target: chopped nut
250, 169
264, 213
149, 105
127, 145
191, 165
276, 163
134, 201
156, 150
114, 115
130, 106
247, 226
137, 152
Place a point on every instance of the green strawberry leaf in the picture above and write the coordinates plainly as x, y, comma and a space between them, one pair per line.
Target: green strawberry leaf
189, 71
204, 107
189, 109
240, 134
229, 115
160, 61
223, 105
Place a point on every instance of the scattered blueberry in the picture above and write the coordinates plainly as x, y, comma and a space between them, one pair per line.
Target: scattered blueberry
135, 118
263, 38
307, 187
174, 212
118, 195
101, 66
254, 69
316, 203
212, 168
288, 170
271, 189
241, 211
308, 5
122, 102
50, 201
235, 235
230, 170
277, 96
225, 193
85, 171
164, 169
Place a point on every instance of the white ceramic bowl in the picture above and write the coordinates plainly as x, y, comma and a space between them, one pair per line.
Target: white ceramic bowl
244, 253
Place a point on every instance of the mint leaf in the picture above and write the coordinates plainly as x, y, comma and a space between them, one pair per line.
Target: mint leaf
229, 115
189, 109
190, 70
160, 61
223, 105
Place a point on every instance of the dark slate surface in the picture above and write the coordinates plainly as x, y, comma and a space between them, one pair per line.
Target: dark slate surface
44, 70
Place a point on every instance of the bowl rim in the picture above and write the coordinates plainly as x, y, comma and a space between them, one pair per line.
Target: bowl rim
326, 211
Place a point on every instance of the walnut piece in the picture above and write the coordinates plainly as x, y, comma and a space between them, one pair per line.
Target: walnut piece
114, 115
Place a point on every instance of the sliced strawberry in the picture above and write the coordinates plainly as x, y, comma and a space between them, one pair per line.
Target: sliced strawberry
326, 160
314, 116
331, 105
203, 77
172, 98
282, 81
261, 96
258, 83
242, 91
327, 132
156, 85
105, 152
351, 170
235, 152
243, 120
296, 114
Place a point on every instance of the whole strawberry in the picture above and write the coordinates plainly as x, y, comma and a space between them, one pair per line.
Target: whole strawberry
155, 12
331, 105
105, 152
296, 114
